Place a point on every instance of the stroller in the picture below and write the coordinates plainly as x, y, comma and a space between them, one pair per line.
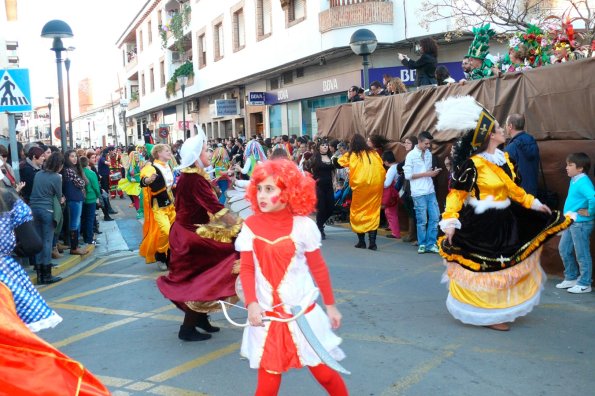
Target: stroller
342, 204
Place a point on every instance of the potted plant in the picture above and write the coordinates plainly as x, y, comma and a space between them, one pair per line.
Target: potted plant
187, 69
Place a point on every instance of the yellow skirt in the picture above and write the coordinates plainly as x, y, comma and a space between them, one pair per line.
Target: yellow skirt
487, 298
129, 187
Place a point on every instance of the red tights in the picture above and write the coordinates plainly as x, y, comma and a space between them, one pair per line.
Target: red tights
329, 379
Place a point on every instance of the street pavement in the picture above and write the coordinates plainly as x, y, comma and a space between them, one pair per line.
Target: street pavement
397, 334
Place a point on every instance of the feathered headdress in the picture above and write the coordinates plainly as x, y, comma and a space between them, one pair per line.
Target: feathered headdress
464, 114
480, 45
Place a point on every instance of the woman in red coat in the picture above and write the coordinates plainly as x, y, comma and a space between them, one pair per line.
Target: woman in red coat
201, 261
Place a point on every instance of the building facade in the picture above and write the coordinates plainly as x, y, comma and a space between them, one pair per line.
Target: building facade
261, 66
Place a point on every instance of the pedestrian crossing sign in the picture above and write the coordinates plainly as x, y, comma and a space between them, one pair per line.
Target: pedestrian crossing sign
15, 91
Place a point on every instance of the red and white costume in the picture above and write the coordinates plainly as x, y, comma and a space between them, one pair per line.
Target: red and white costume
280, 261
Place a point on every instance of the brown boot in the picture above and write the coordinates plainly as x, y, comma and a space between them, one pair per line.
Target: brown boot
74, 244
56, 254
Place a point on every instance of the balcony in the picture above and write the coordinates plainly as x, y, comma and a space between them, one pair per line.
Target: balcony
348, 13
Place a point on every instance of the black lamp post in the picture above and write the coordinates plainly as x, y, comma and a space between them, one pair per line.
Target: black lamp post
49, 98
183, 80
363, 43
67, 64
57, 30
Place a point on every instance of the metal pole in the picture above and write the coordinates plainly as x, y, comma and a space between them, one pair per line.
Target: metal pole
89, 129
14, 154
51, 133
58, 48
366, 63
125, 131
67, 64
183, 112
114, 122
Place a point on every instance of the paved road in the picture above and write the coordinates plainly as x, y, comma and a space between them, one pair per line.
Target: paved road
398, 336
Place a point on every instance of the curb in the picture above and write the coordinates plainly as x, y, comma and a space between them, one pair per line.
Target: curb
65, 263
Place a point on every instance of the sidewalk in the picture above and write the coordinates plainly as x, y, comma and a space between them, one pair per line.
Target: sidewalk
109, 241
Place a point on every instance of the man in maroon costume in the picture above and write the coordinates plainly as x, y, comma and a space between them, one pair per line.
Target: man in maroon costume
202, 261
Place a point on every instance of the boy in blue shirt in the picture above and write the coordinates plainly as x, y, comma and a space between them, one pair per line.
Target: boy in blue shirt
580, 203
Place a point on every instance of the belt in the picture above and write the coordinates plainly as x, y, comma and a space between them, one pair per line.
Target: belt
284, 315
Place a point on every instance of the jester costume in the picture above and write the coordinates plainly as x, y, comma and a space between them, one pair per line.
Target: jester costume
253, 154
220, 163
131, 183
158, 202
115, 175
493, 263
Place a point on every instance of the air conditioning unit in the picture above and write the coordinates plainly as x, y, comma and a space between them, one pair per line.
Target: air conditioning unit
192, 106
176, 57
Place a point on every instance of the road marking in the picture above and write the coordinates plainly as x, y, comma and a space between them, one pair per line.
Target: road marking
380, 339
72, 277
171, 391
183, 368
106, 275
95, 291
167, 307
113, 381
93, 332
420, 371
140, 386
86, 308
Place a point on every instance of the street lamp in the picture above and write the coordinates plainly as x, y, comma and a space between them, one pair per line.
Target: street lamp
89, 129
363, 43
123, 106
50, 98
183, 80
67, 64
58, 30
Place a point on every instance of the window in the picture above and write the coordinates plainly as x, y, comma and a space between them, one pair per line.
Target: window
142, 84
287, 77
162, 73
150, 32
202, 51
159, 20
263, 19
239, 40
296, 11
151, 80
140, 39
218, 41
274, 83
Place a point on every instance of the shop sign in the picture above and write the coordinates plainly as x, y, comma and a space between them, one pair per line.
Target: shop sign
408, 75
225, 107
256, 98
163, 132
325, 86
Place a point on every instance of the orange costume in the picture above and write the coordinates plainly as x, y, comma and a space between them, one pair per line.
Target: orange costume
31, 366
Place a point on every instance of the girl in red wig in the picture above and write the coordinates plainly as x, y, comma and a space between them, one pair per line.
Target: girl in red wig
280, 261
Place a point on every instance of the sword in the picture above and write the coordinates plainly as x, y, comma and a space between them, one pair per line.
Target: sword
314, 342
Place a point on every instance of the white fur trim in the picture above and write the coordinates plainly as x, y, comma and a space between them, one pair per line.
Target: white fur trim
481, 205
450, 223
536, 204
572, 215
459, 113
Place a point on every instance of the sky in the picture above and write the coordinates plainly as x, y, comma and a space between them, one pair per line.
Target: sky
96, 26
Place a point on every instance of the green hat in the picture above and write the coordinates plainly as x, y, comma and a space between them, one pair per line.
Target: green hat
481, 42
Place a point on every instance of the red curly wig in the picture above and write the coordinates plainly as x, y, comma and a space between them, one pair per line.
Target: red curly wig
297, 190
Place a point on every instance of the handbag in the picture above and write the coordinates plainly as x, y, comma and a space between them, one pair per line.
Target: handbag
545, 196
115, 176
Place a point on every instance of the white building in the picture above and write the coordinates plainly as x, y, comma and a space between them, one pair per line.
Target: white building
293, 53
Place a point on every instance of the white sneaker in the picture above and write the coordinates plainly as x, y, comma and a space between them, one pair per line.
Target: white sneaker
566, 284
578, 289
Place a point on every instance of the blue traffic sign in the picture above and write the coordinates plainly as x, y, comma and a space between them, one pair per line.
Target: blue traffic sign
15, 91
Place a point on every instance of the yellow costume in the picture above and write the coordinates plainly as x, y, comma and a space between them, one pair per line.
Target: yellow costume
159, 210
493, 262
366, 179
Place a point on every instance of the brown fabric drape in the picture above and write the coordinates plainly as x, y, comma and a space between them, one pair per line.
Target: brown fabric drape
558, 102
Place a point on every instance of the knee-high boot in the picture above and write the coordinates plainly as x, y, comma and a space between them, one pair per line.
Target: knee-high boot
361, 241
188, 330
372, 237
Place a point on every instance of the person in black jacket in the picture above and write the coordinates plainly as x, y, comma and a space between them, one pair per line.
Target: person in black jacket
425, 66
28, 168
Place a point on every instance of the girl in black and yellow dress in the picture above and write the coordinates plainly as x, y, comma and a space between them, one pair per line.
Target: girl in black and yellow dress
493, 229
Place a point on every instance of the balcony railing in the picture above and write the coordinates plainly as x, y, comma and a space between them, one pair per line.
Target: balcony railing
348, 13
